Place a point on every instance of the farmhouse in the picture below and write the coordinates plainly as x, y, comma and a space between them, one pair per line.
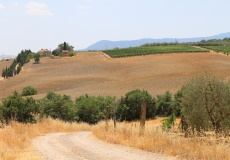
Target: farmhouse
65, 53
45, 52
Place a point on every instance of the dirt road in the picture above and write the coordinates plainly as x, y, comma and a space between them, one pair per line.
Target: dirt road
80, 146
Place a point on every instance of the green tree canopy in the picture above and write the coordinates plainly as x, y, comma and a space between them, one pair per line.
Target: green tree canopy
165, 104
206, 104
91, 109
37, 58
130, 106
58, 107
62, 46
19, 109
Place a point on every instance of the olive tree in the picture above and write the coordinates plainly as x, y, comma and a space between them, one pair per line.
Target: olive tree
206, 104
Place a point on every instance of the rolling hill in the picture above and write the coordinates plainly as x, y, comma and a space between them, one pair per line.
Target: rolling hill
94, 73
106, 44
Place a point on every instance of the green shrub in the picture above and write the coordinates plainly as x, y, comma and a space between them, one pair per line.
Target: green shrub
168, 123
130, 106
58, 107
29, 91
91, 109
71, 53
19, 109
165, 104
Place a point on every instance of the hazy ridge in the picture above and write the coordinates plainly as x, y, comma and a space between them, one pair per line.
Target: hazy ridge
107, 44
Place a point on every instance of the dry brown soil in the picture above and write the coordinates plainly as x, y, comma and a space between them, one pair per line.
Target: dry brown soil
97, 74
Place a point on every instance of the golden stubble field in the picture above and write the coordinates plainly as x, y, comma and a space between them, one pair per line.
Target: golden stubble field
96, 74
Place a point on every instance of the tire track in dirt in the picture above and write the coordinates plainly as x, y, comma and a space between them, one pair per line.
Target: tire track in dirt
79, 146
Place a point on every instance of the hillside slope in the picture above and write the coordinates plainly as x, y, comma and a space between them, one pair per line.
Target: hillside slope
95, 74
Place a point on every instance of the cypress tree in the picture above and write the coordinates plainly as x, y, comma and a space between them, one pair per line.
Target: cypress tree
65, 48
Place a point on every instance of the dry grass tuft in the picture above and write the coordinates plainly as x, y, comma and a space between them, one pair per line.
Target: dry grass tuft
154, 140
15, 142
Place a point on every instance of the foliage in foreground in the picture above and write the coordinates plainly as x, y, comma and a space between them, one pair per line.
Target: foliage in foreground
206, 105
15, 107
130, 106
91, 109
58, 107
203, 104
169, 122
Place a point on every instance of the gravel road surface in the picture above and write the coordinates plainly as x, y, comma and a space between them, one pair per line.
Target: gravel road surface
81, 146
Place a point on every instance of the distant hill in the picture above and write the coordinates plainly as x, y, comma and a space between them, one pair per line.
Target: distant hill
106, 44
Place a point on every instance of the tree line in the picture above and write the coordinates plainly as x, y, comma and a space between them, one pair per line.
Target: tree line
210, 42
26, 55
203, 105
86, 108
15, 68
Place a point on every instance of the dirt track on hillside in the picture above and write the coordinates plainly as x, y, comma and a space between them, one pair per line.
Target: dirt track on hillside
94, 73
79, 146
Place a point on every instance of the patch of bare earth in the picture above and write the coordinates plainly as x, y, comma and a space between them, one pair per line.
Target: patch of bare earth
96, 74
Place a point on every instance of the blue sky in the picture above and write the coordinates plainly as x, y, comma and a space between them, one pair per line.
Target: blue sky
36, 24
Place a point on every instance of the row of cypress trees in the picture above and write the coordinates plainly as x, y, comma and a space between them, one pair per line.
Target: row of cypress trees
17, 64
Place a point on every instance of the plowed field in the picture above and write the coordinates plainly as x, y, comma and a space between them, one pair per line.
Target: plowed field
96, 74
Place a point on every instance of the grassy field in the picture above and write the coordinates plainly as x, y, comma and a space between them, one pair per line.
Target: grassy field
139, 51
225, 49
95, 74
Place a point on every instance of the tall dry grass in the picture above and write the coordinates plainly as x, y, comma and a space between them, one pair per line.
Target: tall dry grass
15, 139
154, 140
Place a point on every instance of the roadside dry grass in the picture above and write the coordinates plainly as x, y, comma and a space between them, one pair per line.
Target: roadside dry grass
168, 143
15, 139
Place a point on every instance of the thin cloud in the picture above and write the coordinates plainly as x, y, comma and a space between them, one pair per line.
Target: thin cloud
84, 7
37, 9
2, 7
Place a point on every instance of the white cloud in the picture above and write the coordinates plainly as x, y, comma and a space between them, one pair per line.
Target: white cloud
84, 7
37, 9
2, 7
